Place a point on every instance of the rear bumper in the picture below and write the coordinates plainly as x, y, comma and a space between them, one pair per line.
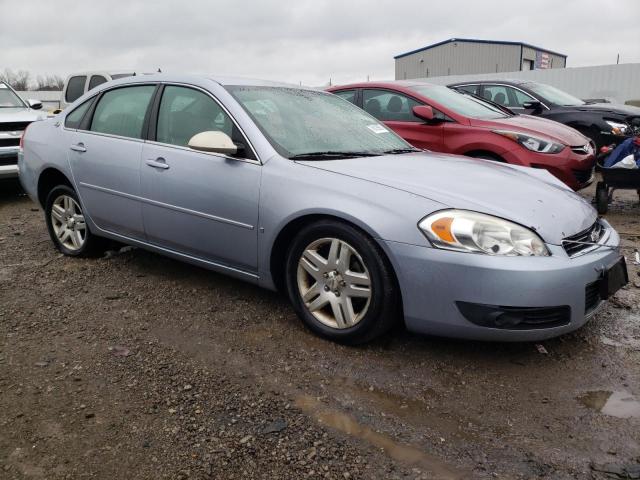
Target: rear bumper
434, 284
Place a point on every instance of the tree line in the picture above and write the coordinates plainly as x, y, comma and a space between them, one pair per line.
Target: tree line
21, 80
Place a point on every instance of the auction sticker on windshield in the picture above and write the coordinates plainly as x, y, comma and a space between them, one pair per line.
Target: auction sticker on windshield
377, 128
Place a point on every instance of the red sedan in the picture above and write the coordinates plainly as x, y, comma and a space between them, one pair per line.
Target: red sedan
437, 118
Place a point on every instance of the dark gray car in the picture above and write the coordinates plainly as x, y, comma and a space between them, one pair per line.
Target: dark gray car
299, 190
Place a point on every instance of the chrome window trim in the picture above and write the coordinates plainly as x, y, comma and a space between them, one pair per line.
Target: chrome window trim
505, 85
235, 122
212, 154
169, 145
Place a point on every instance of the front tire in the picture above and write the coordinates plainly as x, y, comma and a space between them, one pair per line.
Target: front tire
340, 283
602, 198
67, 226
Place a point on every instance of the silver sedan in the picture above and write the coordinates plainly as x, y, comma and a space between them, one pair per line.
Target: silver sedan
299, 190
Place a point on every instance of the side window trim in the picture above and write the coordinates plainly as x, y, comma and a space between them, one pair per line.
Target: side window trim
85, 125
153, 124
91, 101
421, 102
392, 92
532, 95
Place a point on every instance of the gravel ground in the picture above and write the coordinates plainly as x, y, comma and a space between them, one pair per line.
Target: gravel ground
136, 366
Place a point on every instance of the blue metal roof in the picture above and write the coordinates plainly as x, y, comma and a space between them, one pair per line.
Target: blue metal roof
475, 40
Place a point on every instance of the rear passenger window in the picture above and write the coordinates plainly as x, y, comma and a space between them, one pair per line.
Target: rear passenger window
349, 95
74, 118
469, 89
75, 88
121, 111
96, 80
390, 106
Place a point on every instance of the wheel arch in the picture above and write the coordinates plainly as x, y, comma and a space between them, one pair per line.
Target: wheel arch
286, 234
480, 153
48, 180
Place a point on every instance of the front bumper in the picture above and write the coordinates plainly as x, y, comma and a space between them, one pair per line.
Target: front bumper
8, 162
434, 282
573, 169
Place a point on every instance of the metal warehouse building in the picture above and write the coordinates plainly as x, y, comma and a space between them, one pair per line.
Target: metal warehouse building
462, 56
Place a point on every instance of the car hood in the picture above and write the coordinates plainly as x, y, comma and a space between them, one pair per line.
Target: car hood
536, 126
20, 115
612, 108
530, 197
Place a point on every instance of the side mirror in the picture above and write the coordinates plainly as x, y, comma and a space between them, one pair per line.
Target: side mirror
213, 141
34, 104
424, 112
533, 105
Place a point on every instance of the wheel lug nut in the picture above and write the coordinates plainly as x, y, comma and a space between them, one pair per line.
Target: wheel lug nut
337, 293
326, 288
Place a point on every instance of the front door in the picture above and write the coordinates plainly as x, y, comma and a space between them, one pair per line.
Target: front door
105, 159
200, 204
395, 110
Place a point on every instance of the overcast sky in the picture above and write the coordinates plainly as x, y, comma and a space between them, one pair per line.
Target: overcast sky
301, 40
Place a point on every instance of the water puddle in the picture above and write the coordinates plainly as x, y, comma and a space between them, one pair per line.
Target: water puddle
404, 453
616, 404
409, 410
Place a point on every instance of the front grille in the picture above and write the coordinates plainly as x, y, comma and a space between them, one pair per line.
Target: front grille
9, 160
583, 240
592, 296
583, 176
13, 126
9, 142
582, 149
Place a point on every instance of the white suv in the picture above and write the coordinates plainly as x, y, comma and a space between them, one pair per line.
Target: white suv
15, 115
77, 84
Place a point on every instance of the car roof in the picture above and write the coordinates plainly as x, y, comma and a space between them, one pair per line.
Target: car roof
507, 81
387, 84
200, 78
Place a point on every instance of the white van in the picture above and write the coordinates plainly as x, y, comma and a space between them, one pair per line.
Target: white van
77, 84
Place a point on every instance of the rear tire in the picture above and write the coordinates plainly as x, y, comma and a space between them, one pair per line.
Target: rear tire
340, 283
602, 198
66, 223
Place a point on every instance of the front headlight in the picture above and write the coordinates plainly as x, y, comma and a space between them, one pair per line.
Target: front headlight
466, 231
618, 128
535, 144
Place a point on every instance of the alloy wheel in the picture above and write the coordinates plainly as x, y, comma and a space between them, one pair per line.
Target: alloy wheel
68, 222
334, 283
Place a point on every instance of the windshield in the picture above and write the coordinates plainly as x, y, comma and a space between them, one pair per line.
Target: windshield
460, 103
8, 99
301, 122
553, 95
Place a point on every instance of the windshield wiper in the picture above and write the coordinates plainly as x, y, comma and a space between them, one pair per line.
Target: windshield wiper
401, 150
331, 154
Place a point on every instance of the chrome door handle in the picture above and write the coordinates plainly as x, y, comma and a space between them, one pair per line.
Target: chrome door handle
78, 147
158, 163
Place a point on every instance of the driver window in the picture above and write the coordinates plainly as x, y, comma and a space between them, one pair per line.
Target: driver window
185, 112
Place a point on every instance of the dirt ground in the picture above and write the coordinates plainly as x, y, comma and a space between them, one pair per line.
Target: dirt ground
136, 366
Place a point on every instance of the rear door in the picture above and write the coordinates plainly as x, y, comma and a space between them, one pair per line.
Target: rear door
395, 110
200, 204
105, 158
